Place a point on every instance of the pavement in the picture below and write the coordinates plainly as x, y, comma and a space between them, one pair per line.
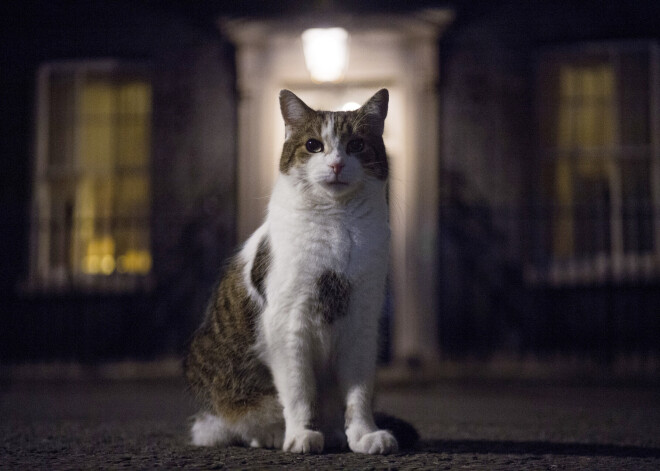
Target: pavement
475, 425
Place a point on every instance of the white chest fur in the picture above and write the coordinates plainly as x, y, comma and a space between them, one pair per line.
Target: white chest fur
309, 237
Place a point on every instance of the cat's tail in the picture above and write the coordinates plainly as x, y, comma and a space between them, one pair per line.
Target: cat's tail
404, 432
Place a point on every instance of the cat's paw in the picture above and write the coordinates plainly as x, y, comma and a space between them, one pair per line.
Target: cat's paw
380, 442
271, 437
305, 441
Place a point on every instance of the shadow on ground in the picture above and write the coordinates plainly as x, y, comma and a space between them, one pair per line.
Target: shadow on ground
483, 447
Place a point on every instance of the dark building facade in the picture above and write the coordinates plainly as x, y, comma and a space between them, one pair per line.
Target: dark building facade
119, 178
549, 227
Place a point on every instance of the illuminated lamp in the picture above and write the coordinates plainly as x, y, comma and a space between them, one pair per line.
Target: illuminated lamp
326, 53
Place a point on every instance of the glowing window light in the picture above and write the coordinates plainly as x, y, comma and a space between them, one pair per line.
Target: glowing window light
326, 53
107, 264
100, 256
134, 261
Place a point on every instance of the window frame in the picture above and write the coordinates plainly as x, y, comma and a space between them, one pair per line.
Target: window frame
42, 275
616, 266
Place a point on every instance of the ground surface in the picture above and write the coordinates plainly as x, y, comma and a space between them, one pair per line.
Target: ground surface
480, 425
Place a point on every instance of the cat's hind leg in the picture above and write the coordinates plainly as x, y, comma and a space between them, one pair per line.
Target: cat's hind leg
271, 436
210, 430
262, 427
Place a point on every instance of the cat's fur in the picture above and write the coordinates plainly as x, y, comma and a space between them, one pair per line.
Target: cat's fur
286, 355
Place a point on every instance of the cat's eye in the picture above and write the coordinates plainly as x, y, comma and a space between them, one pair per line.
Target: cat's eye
354, 146
314, 146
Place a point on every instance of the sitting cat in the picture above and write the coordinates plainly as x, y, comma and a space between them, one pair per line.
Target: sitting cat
286, 356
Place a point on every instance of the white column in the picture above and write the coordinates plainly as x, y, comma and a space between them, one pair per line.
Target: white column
415, 234
253, 75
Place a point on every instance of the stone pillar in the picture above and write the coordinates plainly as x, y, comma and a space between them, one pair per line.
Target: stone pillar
415, 235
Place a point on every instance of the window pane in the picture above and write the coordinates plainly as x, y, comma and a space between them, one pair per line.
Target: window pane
133, 124
586, 107
596, 171
592, 212
583, 170
563, 214
132, 233
61, 119
99, 196
635, 92
638, 221
94, 243
97, 126
59, 225
548, 101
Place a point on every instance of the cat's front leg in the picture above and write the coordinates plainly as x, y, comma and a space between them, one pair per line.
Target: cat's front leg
357, 370
295, 384
290, 352
362, 433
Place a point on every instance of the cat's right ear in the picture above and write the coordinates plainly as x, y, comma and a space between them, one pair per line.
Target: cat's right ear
374, 111
294, 111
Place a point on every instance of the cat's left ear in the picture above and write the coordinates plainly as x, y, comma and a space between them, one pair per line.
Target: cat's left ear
375, 111
294, 111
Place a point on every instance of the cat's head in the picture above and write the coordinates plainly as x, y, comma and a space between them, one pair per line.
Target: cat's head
334, 153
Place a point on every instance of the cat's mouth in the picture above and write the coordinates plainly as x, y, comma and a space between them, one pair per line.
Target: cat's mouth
337, 186
335, 181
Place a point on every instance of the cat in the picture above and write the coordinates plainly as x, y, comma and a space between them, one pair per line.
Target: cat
286, 355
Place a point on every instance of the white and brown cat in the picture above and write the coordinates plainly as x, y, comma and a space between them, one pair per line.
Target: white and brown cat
286, 356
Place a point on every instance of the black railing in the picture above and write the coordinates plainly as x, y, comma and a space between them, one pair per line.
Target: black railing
503, 289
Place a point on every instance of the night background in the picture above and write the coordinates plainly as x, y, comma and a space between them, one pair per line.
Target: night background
546, 242
521, 328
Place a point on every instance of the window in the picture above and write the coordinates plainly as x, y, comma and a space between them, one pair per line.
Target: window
599, 163
92, 188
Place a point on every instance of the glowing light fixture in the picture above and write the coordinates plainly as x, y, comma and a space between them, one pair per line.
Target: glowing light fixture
326, 53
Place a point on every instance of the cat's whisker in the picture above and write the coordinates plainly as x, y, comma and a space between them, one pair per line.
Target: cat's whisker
396, 209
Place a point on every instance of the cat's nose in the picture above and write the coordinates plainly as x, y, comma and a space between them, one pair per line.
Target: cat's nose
337, 167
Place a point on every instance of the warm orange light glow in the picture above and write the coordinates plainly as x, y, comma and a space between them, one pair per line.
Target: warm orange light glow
134, 261
100, 257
